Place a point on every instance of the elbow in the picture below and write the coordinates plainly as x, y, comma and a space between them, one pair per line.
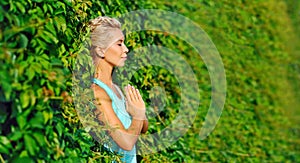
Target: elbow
124, 140
127, 146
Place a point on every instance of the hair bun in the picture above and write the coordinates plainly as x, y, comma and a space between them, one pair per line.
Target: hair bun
98, 21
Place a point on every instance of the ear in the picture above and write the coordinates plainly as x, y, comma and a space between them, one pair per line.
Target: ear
99, 52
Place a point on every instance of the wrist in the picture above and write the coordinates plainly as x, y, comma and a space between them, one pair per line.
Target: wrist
139, 115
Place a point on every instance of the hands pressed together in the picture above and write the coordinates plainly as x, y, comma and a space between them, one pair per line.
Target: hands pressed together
135, 104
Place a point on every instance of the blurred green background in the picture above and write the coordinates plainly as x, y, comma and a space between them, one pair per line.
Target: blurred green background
257, 40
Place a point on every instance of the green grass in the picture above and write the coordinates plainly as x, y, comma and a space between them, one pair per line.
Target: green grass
258, 44
294, 50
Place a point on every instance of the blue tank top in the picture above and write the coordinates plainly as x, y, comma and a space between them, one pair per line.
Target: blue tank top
119, 107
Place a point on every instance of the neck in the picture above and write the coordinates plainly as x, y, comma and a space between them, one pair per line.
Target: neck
104, 72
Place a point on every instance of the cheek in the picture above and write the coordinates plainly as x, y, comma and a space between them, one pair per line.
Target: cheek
111, 51
114, 55
118, 51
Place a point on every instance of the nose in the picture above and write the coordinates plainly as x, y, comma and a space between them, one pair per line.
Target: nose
126, 50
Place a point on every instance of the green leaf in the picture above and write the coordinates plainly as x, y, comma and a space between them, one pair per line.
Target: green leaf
25, 99
40, 138
61, 50
4, 140
41, 44
3, 115
30, 72
3, 149
33, 99
36, 66
47, 116
22, 119
49, 37
45, 7
50, 27
37, 121
7, 89
21, 7
23, 41
50, 9
30, 144
43, 61
61, 23
39, 1
23, 154
1, 16
23, 159
59, 128
57, 90
62, 5
16, 135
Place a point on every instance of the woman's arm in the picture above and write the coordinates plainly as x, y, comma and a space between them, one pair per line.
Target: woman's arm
125, 138
145, 126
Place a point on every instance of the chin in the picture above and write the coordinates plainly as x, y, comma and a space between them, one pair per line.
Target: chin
121, 65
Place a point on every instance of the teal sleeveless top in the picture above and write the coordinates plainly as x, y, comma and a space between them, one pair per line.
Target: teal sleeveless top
119, 108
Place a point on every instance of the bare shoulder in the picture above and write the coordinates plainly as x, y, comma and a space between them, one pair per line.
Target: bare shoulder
104, 111
100, 94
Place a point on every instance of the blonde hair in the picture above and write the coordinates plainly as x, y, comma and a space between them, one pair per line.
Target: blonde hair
101, 32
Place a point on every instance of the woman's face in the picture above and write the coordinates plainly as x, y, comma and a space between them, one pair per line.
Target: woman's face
116, 54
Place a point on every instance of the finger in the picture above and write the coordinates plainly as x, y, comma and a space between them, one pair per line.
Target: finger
127, 93
135, 93
131, 93
139, 94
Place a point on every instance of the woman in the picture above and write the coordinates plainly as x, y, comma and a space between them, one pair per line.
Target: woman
125, 118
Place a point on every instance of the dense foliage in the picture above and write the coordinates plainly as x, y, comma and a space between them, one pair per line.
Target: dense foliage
40, 41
